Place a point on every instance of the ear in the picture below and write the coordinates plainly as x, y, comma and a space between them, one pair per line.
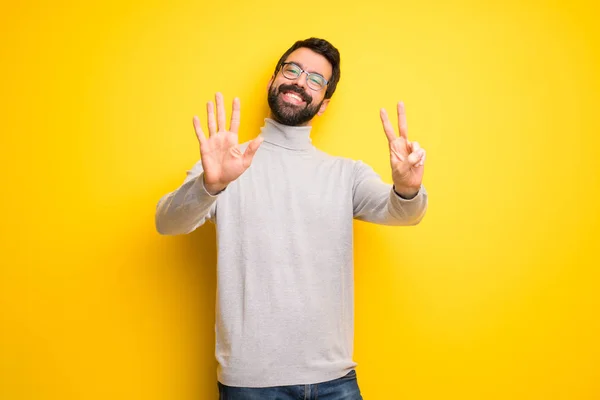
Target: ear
270, 82
323, 106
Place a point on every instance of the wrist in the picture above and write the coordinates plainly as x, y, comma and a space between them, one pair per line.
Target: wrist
406, 193
213, 188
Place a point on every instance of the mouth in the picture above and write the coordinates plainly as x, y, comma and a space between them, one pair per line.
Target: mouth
292, 97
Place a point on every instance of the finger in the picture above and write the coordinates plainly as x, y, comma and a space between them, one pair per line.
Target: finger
251, 150
212, 124
415, 146
421, 162
415, 157
387, 125
220, 112
199, 131
402, 126
235, 116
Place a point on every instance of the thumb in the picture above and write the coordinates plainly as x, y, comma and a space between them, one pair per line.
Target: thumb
251, 150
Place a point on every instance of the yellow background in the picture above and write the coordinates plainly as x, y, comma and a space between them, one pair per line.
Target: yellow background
495, 295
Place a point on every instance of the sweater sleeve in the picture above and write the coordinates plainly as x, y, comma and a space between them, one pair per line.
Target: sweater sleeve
188, 207
375, 201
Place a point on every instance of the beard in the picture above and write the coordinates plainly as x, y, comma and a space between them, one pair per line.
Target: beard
291, 114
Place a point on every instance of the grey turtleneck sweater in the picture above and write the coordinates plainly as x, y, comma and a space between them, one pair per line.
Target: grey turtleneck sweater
285, 278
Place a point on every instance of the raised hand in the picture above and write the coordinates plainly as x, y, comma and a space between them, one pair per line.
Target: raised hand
406, 158
222, 159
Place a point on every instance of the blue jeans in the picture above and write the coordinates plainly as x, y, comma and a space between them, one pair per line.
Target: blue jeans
344, 388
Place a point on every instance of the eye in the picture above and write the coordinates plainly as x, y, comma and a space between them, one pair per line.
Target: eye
293, 69
317, 80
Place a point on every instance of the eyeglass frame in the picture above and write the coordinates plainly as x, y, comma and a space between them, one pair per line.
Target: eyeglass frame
308, 74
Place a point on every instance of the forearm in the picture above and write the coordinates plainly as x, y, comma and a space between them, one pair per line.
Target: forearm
376, 201
184, 209
408, 209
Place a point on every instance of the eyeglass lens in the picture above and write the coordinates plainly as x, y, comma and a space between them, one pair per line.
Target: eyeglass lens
314, 81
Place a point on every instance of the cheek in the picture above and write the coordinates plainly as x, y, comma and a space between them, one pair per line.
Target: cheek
317, 100
273, 85
276, 83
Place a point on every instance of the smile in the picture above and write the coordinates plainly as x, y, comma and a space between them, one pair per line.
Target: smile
293, 98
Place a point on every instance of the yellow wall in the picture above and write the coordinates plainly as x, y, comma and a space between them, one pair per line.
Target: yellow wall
493, 296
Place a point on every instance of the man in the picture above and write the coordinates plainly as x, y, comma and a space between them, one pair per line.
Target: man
283, 212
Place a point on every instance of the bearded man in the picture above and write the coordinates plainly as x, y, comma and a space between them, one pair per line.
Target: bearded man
283, 212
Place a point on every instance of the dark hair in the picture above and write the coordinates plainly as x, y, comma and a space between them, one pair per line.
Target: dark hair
324, 48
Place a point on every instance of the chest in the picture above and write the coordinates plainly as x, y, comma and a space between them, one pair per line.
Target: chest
298, 191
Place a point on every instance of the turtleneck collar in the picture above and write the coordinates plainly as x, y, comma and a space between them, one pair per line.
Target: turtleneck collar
289, 137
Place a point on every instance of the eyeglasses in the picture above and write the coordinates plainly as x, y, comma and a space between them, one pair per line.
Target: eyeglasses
293, 71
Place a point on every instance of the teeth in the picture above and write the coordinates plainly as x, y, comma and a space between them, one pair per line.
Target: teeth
294, 96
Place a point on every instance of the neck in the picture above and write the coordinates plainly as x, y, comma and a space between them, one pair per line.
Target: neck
289, 137
308, 123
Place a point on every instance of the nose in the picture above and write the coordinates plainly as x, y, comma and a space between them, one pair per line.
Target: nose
301, 80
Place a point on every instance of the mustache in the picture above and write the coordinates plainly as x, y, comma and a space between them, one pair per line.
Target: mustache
296, 89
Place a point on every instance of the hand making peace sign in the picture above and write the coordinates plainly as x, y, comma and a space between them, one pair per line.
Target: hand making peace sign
406, 158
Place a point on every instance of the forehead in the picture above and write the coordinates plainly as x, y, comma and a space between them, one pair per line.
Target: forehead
310, 61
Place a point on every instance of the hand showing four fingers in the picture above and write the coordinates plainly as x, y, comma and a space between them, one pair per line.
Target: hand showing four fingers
222, 159
406, 158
